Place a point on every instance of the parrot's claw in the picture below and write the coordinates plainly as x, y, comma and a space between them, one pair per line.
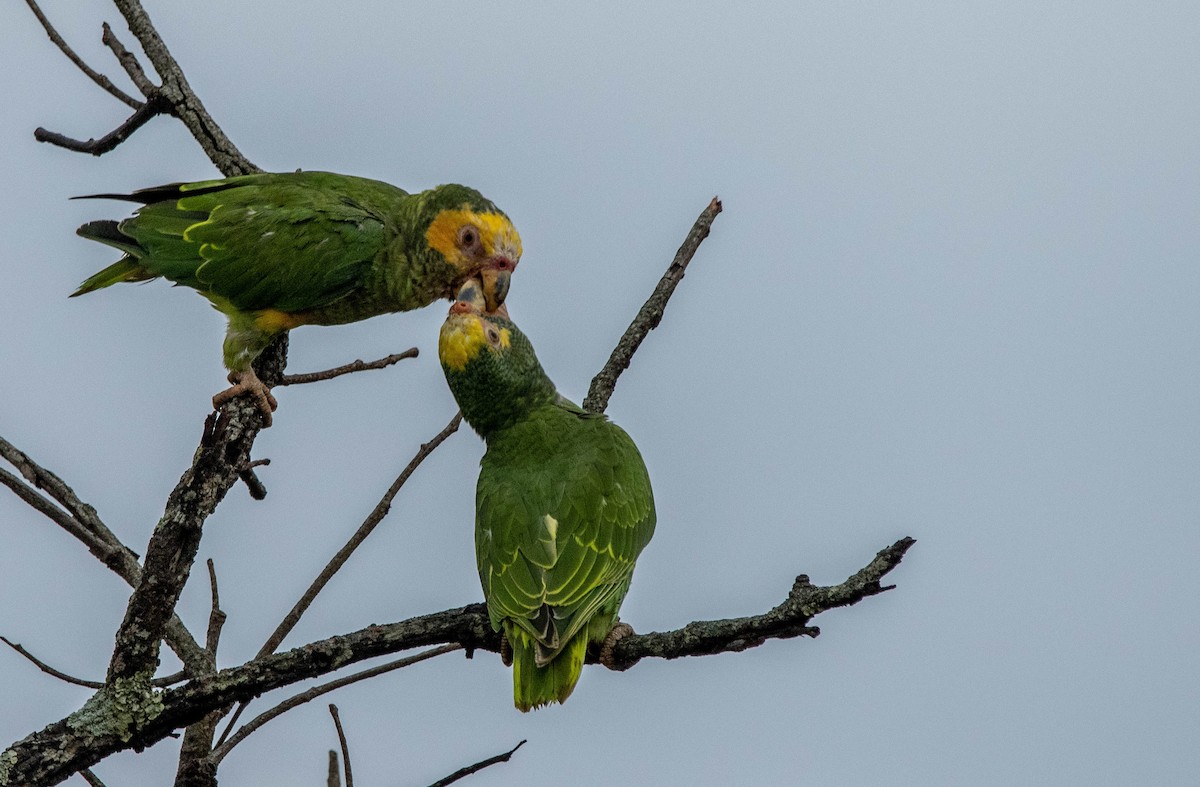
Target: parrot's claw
618, 633
505, 651
247, 382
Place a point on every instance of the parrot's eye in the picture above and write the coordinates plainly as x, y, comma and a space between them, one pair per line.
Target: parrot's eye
493, 336
468, 238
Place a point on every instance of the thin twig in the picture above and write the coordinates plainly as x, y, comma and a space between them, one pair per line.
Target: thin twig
56, 515
46, 668
170, 680
353, 366
374, 518
98, 147
92, 74
254, 486
337, 561
651, 313
334, 776
91, 778
58, 489
337, 723
216, 617
85, 524
311, 694
479, 766
128, 62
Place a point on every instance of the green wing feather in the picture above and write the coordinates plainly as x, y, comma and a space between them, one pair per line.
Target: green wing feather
292, 242
564, 509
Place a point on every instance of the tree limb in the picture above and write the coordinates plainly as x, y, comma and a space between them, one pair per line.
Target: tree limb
353, 366
462, 773
128, 61
185, 104
338, 560
374, 518
651, 313
46, 668
153, 107
337, 723
297, 700
68, 745
82, 521
224, 451
333, 777
92, 74
91, 778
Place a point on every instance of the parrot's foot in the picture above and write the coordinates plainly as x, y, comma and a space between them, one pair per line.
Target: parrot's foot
618, 633
505, 651
247, 382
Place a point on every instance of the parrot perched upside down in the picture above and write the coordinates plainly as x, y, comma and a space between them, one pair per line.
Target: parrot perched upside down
563, 506
276, 251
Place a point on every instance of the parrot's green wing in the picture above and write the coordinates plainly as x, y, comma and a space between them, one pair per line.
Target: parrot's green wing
564, 509
290, 242
563, 505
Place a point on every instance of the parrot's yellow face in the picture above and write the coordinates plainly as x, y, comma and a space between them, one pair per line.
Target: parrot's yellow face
466, 333
482, 245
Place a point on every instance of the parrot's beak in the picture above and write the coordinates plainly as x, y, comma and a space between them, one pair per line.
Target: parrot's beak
469, 297
495, 281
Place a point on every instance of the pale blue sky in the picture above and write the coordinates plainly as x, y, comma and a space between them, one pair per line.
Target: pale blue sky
952, 295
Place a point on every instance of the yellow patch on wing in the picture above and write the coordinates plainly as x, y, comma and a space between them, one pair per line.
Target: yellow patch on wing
461, 339
496, 232
273, 320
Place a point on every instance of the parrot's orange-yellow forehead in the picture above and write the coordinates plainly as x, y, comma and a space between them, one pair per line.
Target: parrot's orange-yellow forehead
462, 338
496, 232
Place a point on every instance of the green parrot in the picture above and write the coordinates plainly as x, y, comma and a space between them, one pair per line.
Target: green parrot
563, 505
276, 251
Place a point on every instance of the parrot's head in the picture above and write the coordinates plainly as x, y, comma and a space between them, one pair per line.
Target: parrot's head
491, 367
475, 238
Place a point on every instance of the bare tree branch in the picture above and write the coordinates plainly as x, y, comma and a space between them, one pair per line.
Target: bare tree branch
83, 523
46, 668
353, 366
337, 723
374, 518
248, 477
337, 561
63, 748
128, 61
651, 313
185, 104
196, 768
788, 619
95, 76
91, 778
216, 617
153, 107
316, 691
477, 767
58, 489
56, 515
334, 776
224, 450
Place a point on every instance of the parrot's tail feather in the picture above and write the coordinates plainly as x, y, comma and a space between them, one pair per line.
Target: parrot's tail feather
109, 233
127, 269
535, 686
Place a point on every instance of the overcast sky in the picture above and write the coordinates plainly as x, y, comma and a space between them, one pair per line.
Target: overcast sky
953, 295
